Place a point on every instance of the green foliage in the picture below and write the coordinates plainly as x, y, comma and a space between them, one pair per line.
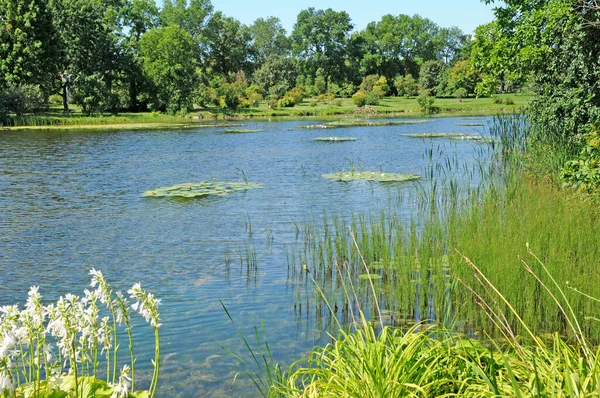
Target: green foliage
268, 40
406, 86
21, 99
91, 94
373, 97
297, 94
320, 41
430, 75
583, 173
460, 93
359, 98
286, 102
228, 43
168, 61
425, 101
320, 85
29, 45
276, 76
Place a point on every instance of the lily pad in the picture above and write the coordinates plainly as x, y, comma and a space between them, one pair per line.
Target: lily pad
370, 276
334, 139
242, 131
371, 176
195, 190
454, 136
470, 124
360, 123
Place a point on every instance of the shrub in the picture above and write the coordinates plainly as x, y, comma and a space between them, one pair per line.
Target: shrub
287, 102
460, 93
509, 101
373, 97
91, 93
360, 98
583, 173
425, 101
297, 94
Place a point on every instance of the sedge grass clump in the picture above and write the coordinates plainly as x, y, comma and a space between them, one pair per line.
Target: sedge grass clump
70, 348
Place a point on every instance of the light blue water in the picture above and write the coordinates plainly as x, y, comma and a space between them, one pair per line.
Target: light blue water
71, 200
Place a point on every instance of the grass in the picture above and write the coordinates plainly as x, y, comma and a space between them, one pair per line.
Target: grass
390, 106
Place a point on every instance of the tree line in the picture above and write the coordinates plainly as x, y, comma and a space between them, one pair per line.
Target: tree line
131, 55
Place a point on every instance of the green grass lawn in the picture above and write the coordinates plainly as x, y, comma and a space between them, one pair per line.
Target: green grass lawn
391, 106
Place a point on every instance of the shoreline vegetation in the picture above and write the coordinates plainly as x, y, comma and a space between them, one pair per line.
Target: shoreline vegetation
392, 107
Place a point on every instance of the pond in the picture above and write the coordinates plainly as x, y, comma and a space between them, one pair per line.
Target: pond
72, 200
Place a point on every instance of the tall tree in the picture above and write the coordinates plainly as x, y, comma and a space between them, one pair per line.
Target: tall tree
229, 45
557, 43
190, 15
320, 41
268, 39
28, 44
168, 55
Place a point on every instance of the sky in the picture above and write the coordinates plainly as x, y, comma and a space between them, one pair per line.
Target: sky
466, 14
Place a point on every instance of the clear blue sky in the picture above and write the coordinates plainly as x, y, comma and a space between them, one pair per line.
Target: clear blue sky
466, 14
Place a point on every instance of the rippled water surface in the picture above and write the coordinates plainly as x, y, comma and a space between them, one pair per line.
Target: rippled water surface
71, 200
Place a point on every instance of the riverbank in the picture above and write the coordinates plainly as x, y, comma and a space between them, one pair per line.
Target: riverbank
308, 109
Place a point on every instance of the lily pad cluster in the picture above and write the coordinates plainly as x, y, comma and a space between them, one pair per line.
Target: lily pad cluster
242, 131
360, 123
195, 190
376, 176
334, 139
454, 136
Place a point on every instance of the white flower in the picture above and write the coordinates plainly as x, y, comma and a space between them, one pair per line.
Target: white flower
122, 388
6, 383
146, 304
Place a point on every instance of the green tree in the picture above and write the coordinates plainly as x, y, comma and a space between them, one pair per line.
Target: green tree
406, 86
556, 44
276, 76
28, 44
269, 39
430, 75
229, 45
190, 15
320, 41
169, 63
462, 76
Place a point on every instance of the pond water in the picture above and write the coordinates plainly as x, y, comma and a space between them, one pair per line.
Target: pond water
71, 200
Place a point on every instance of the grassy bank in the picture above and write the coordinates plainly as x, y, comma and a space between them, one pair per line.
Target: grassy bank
491, 292
388, 107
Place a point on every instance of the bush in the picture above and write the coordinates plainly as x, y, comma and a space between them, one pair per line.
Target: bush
460, 93
373, 97
406, 86
286, 102
509, 101
583, 173
21, 99
360, 98
425, 101
91, 93
297, 94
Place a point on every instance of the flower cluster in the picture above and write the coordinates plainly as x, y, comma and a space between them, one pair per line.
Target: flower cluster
68, 336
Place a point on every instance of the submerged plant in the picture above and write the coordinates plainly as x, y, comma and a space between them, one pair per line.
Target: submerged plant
55, 350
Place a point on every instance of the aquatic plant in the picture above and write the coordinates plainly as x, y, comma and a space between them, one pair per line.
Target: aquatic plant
360, 123
195, 190
371, 176
334, 139
455, 136
470, 124
56, 350
241, 131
